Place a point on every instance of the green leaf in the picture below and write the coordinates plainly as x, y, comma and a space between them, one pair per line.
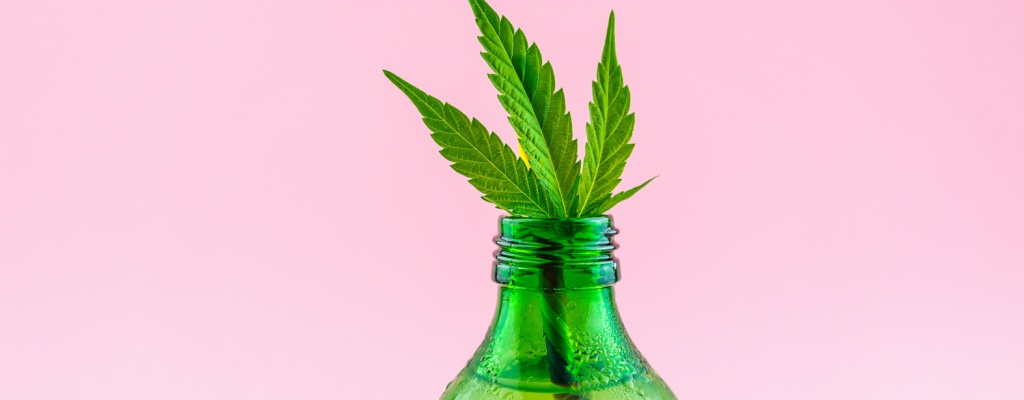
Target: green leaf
526, 89
491, 165
608, 134
610, 201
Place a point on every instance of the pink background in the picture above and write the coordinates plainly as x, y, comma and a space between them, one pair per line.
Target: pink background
228, 200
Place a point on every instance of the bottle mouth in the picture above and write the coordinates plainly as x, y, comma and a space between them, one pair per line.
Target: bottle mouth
556, 254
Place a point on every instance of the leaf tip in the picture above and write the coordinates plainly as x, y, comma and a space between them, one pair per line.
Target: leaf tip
480, 8
608, 55
392, 77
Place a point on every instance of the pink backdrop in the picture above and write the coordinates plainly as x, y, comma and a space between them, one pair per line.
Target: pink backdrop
228, 200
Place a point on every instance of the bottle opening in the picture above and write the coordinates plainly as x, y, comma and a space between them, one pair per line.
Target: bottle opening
556, 254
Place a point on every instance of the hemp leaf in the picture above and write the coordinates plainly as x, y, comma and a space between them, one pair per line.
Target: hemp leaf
490, 164
548, 181
526, 85
608, 134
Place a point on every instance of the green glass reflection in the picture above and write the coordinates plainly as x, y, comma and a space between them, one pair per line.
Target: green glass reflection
556, 332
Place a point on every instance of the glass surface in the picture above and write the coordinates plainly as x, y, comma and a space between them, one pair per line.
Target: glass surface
556, 332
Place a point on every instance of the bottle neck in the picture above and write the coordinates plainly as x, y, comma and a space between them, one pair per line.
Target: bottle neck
556, 255
557, 325
547, 341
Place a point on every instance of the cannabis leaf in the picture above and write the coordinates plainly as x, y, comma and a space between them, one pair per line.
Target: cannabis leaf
617, 198
548, 181
489, 163
526, 85
608, 134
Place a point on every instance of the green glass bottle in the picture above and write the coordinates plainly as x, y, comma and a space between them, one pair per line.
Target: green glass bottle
556, 332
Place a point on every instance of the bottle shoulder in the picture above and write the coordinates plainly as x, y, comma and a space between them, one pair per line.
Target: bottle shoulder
568, 343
